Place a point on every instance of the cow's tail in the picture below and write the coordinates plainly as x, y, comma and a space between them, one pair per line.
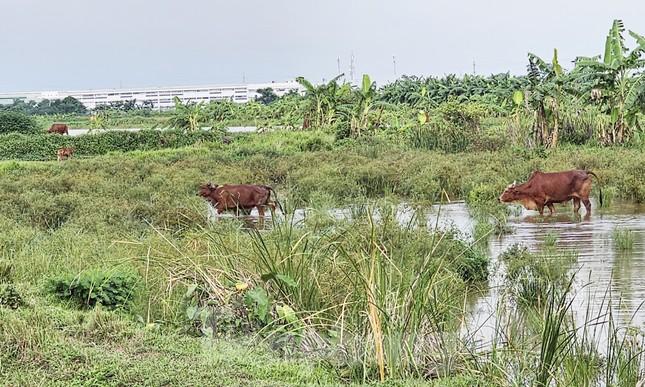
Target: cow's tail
275, 194
599, 186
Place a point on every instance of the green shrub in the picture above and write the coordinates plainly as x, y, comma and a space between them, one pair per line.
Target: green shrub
111, 290
9, 297
44, 146
11, 121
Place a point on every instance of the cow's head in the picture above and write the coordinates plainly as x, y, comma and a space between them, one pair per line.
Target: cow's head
510, 194
206, 190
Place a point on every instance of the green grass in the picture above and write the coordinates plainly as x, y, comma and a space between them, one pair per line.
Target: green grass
50, 345
550, 240
326, 300
623, 239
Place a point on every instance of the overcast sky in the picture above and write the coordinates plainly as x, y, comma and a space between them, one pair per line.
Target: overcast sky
78, 44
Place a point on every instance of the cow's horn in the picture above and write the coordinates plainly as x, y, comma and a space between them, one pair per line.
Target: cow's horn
514, 182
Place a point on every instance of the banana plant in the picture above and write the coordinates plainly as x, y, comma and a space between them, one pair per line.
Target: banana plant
323, 101
187, 116
616, 81
545, 94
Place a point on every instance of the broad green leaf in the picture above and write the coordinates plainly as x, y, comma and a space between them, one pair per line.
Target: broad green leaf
285, 279
421, 116
518, 97
366, 87
640, 39
191, 289
258, 299
557, 69
287, 313
191, 311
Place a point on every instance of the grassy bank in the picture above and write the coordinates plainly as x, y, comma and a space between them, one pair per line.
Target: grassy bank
324, 300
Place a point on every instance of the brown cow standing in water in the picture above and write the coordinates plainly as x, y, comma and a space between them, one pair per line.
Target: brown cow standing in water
238, 197
58, 128
64, 153
544, 189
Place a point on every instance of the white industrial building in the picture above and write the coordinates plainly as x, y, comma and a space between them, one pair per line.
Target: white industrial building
161, 97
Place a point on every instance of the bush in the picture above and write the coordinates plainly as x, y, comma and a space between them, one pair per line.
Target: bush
44, 146
111, 290
16, 122
9, 297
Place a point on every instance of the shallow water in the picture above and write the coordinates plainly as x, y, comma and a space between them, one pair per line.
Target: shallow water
603, 273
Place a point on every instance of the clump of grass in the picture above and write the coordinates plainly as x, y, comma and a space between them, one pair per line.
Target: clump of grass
609, 194
6, 272
550, 239
623, 239
529, 276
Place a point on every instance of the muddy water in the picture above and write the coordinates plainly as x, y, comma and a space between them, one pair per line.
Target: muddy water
603, 273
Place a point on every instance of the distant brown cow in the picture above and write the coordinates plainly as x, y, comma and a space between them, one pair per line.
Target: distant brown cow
64, 153
544, 189
58, 128
238, 197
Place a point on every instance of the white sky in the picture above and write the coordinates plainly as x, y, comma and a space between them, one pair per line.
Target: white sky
77, 44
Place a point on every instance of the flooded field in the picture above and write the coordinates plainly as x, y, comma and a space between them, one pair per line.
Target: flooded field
603, 273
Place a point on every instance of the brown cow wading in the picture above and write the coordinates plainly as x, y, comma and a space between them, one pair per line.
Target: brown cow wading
58, 128
238, 197
544, 189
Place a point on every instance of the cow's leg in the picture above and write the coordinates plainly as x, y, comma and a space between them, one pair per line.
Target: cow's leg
551, 208
587, 204
576, 205
261, 215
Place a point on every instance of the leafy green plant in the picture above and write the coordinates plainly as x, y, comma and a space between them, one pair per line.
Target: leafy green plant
616, 82
12, 121
9, 296
112, 290
43, 147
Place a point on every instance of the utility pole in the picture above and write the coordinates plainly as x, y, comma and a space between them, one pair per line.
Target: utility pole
351, 68
243, 78
394, 65
338, 63
474, 71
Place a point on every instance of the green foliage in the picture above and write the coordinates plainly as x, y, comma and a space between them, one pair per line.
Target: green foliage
258, 300
67, 105
267, 96
13, 121
188, 116
615, 82
9, 296
44, 146
531, 278
113, 290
